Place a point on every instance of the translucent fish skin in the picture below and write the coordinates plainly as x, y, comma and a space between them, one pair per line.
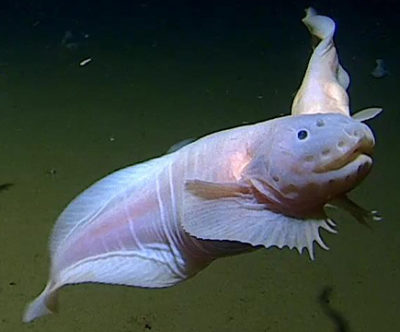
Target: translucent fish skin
125, 229
325, 82
141, 209
160, 222
129, 228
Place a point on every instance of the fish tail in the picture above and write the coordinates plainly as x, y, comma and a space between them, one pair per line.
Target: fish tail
44, 304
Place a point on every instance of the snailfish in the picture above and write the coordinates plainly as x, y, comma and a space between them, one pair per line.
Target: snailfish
160, 222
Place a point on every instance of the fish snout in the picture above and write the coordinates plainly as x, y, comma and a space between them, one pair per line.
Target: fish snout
361, 136
355, 140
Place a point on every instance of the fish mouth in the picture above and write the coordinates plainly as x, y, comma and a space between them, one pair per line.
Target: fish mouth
346, 177
362, 152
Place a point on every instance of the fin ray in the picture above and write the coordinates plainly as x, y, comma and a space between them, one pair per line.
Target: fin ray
240, 218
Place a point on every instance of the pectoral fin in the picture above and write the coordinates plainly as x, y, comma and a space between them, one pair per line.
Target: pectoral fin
362, 215
212, 190
229, 212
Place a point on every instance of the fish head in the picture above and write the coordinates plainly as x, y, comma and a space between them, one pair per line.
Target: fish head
310, 159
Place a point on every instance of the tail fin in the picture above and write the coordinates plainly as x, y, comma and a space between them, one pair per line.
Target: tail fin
44, 304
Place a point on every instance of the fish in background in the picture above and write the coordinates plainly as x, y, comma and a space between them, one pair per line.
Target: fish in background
380, 70
74, 41
160, 222
68, 41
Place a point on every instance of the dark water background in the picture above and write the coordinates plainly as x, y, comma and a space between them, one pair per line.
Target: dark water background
163, 71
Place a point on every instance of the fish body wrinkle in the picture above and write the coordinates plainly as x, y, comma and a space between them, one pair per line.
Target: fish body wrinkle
141, 233
160, 222
125, 228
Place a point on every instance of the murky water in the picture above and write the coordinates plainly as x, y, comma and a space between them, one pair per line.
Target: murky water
160, 74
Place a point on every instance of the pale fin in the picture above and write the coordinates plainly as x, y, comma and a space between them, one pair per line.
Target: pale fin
212, 190
180, 145
44, 304
323, 89
154, 266
362, 215
239, 218
367, 114
343, 77
86, 206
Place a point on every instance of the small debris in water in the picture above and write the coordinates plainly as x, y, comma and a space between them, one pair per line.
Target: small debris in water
85, 62
52, 171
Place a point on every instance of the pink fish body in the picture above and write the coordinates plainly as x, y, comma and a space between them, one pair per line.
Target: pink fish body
160, 222
135, 226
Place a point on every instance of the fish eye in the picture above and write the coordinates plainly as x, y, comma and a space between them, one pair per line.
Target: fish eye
302, 134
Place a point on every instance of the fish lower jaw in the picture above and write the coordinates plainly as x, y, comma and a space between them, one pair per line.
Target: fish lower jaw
343, 180
356, 168
340, 162
310, 197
